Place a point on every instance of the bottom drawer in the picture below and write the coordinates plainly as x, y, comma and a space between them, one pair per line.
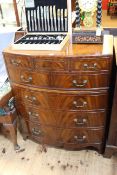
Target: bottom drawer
52, 135
81, 135
94, 146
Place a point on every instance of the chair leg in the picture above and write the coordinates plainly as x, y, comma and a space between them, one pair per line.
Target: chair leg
12, 128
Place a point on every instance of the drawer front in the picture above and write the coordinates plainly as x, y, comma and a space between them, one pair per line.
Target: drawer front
91, 64
79, 119
62, 119
80, 81
51, 64
18, 61
37, 115
63, 137
30, 78
45, 135
46, 79
61, 101
81, 136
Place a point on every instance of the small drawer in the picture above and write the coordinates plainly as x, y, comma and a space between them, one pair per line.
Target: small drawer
50, 64
63, 101
30, 78
80, 81
91, 64
81, 136
18, 61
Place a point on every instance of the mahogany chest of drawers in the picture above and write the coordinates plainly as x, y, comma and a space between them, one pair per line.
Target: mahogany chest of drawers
62, 97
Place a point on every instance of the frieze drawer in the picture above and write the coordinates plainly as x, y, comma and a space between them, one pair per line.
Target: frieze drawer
18, 61
50, 64
91, 64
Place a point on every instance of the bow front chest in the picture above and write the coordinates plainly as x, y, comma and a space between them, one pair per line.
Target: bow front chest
62, 97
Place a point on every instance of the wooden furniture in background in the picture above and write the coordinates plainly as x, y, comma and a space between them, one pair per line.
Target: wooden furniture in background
112, 8
111, 146
63, 97
16, 13
9, 121
15, 10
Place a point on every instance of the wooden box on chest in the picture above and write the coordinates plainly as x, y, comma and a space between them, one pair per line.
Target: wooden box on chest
63, 97
48, 25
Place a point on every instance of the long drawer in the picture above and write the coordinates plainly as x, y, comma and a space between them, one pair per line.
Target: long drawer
62, 119
49, 135
81, 136
62, 101
60, 80
80, 80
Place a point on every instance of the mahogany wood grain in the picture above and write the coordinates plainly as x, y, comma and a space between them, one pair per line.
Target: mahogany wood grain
62, 101
37, 115
30, 78
82, 135
45, 135
80, 81
52, 135
18, 61
55, 63
91, 64
57, 80
62, 119
62, 97
50, 63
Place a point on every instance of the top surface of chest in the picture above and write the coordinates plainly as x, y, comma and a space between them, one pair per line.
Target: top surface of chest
72, 50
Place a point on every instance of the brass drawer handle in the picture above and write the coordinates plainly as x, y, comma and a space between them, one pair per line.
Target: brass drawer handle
79, 85
80, 121
33, 115
31, 99
36, 132
87, 67
29, 80
16, 62
80, 139
84, 104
